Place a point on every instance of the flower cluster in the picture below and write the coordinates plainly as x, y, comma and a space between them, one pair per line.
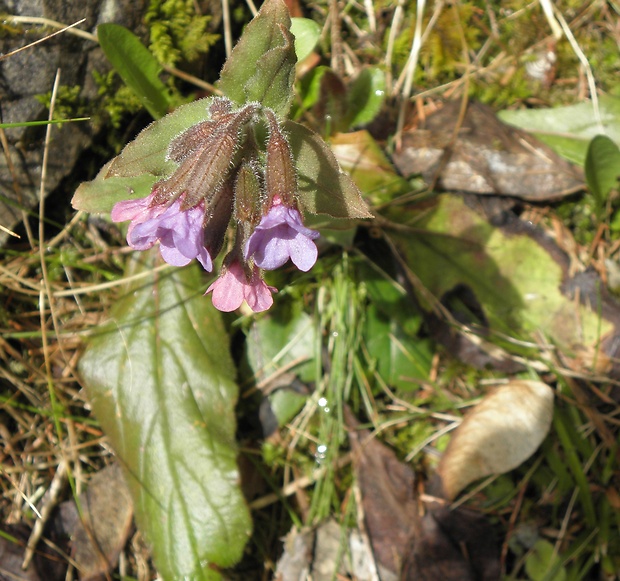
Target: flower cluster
227, 175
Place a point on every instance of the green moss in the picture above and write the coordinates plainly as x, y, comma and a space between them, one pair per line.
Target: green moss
491, 91
177, 31
117, 99
579, 216
68, 103
442, 54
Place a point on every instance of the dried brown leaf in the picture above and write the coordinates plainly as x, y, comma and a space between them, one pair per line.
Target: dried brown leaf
107, 514
498, 435
388, 496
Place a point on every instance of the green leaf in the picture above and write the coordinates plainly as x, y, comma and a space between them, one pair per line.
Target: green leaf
45, 122
161, 382
141, 163
366, 95
568, 130
516, 278
280, 339
543, 564
136, 66
100, 195
391, 329
262, 64
286, 404
283, 341
323, 187
310, 88
307, 33
602, 169
400, 358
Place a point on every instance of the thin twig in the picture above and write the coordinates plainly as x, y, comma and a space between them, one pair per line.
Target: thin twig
370, 14
252, 7
399, 13
55, 490
586, 65
46, 22
548, 9
416, 45
337, 62
111, 284
413, 60
192, 79
16, 186
226, 25
45, 283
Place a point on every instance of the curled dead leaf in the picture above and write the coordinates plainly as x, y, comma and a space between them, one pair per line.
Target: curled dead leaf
485, 156
498, 435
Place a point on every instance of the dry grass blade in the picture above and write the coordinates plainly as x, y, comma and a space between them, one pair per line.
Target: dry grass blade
9, 232
395, 26
46, 22
586, 65
406, 79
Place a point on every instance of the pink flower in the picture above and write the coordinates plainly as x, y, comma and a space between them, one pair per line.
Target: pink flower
138, 211
281, 235
180, 233
233, 287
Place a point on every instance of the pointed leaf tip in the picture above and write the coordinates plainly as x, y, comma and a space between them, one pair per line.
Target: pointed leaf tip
323, 187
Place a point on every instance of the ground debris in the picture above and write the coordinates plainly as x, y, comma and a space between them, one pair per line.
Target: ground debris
415, 536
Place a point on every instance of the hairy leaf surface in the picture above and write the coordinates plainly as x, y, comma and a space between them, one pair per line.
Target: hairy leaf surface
141, 163
262, 64
161, 382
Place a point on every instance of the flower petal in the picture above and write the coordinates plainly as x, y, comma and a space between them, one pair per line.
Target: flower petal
303, 252
228, 289
128, 209
142, 236
281, 235
172, 256
258, 296
232, 287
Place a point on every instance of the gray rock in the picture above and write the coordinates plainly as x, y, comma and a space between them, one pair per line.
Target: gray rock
32, 72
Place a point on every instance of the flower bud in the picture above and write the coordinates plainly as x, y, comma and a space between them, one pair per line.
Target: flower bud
219, 107
280, 176
206, 167
248, 193
189, 141
197, 135
217, 218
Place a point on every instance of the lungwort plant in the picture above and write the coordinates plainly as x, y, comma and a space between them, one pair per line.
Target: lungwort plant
227, 172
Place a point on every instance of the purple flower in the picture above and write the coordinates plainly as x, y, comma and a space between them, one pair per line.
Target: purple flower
281, 235
233, 287
180, 233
